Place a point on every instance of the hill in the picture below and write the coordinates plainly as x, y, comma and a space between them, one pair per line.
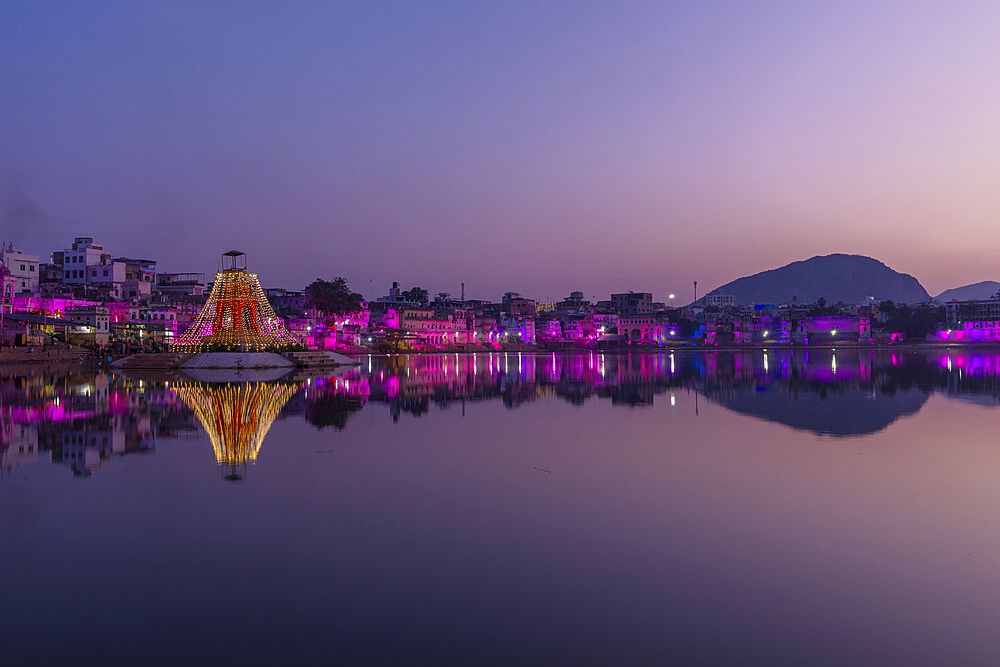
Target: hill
838, 277
984, 290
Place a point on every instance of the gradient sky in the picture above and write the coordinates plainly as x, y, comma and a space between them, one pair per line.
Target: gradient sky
536, 147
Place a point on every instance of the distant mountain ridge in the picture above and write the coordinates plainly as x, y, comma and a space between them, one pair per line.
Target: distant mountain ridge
837, 277
974, 292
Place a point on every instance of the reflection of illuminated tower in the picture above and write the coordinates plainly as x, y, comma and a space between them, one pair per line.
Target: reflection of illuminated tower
236, 417
237, 314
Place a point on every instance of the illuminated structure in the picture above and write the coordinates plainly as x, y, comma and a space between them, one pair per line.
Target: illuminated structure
236, 417
237, 315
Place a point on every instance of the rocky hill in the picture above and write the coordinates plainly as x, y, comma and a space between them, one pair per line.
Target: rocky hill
847, 278
983, 290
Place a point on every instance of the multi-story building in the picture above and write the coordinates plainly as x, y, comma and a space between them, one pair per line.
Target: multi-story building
75, 260
957, 313
720, 300
50, 276
140, 274
108, 275
433, 328
632, 303
288, 303
395, 298
639, 328
93, 322
516, 305
573, 303
23, 267
6, 289
182, 284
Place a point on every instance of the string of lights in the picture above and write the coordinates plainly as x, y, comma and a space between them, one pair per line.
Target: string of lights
237, 316
236, 416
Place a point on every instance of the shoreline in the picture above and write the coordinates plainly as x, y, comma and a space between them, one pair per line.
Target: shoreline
653, 349
73, 358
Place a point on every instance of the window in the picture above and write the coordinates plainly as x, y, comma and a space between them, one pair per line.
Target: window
31, 268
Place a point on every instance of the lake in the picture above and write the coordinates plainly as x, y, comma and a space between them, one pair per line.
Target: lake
764, 507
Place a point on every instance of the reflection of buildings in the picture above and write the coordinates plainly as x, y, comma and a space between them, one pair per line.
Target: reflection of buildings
839, 392
411, 384
18, 444
236, 417
84, 420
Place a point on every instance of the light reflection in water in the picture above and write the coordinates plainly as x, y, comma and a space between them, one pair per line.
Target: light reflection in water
564, 503
810, 390
237, 417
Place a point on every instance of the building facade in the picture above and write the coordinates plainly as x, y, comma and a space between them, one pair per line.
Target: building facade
24, 268
632, 303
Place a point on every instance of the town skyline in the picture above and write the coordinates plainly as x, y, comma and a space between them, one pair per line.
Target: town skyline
377, 289
539, 149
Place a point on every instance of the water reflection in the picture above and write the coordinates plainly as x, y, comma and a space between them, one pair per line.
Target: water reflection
831, 392
85, 421
236, 417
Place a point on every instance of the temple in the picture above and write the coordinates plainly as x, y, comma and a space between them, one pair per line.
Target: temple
237, 315
236, 417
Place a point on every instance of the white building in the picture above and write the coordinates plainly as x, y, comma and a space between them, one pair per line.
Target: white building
108, 274
7, 281
720, 300
23, 267
76, 260
93, 320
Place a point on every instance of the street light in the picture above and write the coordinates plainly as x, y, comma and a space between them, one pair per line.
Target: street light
671, 300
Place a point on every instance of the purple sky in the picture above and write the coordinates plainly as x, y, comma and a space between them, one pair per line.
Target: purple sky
537, 147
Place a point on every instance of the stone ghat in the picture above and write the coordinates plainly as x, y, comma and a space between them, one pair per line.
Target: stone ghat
29, 355
152, 361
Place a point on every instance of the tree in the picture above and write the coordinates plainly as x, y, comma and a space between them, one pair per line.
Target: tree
917, 322
686, 328
331, 411
333, 297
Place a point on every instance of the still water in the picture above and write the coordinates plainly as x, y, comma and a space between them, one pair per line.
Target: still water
766, 507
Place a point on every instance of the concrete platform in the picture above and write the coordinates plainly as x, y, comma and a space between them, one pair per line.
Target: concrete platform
237, 360
321, 358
